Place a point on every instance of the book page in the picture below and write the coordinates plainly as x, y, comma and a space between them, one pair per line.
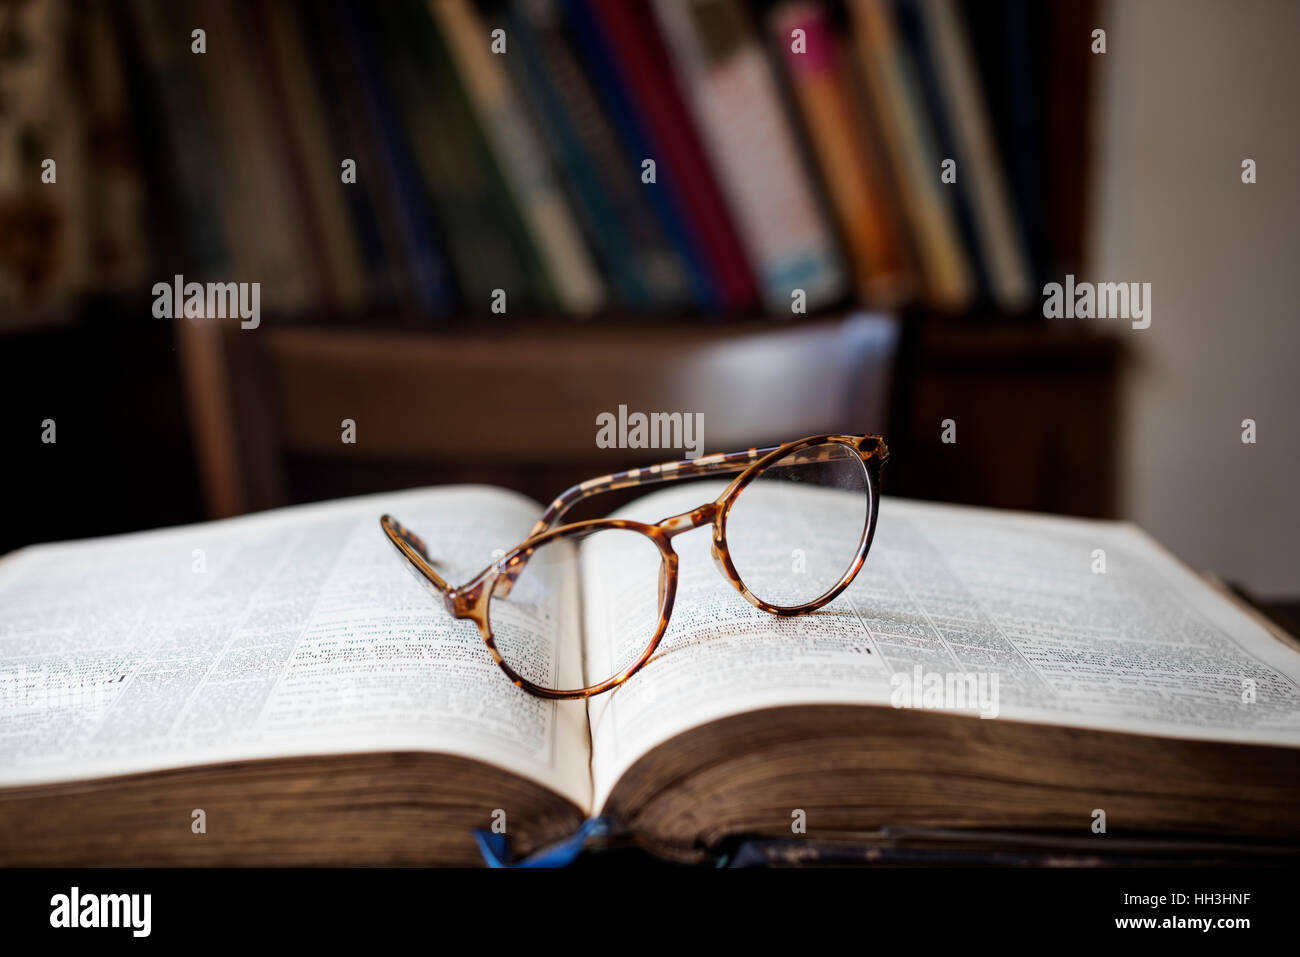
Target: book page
296, 631
1144, 646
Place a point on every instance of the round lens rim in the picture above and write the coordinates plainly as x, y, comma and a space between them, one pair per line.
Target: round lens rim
722, 553
668, 566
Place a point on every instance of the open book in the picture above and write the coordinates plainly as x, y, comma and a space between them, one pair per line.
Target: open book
276, 689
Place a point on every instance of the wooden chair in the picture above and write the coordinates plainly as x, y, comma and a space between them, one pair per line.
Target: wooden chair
516, 404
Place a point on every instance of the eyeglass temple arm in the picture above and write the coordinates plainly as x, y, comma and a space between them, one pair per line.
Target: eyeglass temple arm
720, 464
417, 554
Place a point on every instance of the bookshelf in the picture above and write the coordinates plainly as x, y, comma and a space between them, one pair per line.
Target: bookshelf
384, 282
708, 158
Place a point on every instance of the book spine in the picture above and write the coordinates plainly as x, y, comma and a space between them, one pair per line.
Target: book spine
737, 109
593, 212
293, 177
627, 229
350, 137
1008, 264
1007, 32
315, 161
187, 139
538, 198
255, 200
488, 245
121, 255
890, 79
404, 200
608, 79
630, 30
916, 39
853, 172
45, 249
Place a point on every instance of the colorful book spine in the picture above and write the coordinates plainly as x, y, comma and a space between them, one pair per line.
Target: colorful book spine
852, 169
890, 78
629, 27
737, 109
600, 61
487, 241
537, 195
646, 108
627, 233
780, 167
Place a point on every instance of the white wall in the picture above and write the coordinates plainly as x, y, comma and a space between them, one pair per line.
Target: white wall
1186, 90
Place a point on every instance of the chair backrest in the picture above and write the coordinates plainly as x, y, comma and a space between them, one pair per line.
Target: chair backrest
521, 397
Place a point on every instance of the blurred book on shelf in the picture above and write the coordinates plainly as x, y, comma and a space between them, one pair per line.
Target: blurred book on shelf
419, 158
46, 223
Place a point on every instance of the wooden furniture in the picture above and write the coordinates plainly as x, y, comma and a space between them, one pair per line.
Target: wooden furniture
1035, 405
1036, 414
512, 405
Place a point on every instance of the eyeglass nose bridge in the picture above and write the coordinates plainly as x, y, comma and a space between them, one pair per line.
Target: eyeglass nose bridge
676, 524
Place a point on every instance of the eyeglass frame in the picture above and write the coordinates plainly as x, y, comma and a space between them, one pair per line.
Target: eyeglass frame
472, 600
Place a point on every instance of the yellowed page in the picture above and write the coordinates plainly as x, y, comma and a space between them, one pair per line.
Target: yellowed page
1144, 647
290, 632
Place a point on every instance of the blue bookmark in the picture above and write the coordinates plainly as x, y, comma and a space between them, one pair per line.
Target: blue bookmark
496, 847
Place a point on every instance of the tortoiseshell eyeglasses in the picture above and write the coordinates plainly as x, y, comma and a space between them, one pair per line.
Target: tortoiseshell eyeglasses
790, 532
